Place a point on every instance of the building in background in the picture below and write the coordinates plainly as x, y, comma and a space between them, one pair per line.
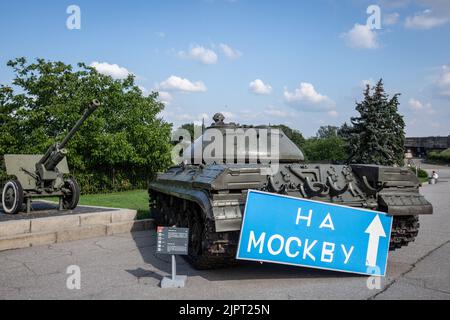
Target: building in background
419, 146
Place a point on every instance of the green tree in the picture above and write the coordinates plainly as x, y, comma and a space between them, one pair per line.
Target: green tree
293, 134
191, 128
124, 136
377, 135
330, 149
327, 132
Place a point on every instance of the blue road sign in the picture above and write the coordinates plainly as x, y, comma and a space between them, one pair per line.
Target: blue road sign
287, 230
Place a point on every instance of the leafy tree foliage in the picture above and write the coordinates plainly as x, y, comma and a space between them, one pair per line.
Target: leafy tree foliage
329, 149
295, 135
123, 137
326, 147
377, 135
192, 129
327, 132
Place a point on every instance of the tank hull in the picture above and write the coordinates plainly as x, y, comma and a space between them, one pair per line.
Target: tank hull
210, 199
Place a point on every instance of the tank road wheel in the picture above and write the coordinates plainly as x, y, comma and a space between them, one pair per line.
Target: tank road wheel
12, 197
196, 234
199, 243
70, 201
161, 214
182, 221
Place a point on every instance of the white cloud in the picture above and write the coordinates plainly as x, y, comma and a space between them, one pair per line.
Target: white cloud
366, 82
201, 54
228, 115
306, 96
436, 13
113, 70
333, 113
361, 36
415, 104
160, 34
393, 4
259, 87
165, 97
418, 106
278, 113
443, 81
425, 20
179, 117
175, 83
230, 52
145, 92
391, 18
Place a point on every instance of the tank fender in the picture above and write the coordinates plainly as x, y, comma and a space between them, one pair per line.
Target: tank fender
404, 204
199, 197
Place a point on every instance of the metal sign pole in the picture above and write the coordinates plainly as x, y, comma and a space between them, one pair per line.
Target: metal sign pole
174, 268
173, 241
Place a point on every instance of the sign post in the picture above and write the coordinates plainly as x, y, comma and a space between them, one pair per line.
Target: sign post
288, 230
173, 241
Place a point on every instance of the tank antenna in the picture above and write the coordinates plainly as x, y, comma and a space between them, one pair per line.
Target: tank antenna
203, 131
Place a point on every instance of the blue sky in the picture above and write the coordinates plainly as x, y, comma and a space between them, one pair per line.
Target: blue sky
302, 63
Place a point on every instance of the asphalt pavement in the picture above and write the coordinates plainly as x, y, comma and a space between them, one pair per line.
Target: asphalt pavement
127, 267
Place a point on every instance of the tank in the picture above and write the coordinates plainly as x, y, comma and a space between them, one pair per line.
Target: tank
38, 176
207, 191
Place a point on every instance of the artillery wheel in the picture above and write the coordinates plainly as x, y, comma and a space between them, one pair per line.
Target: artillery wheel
70, 201
12, 197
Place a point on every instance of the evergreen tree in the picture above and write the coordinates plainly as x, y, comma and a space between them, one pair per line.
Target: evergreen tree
377, 135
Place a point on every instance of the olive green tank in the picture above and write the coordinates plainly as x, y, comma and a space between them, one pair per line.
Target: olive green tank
207, 191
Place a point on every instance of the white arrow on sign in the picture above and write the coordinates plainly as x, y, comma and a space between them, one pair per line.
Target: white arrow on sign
375, 231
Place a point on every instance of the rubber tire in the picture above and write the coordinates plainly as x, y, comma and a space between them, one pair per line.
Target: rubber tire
71, 202
18, 201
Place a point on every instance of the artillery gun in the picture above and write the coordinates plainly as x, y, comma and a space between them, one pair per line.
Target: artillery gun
208, 193
43, 175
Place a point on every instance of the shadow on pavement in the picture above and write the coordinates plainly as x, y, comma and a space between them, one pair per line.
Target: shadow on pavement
245, 270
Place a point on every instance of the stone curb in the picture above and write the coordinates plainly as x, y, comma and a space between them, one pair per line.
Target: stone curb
78, 233
44, 231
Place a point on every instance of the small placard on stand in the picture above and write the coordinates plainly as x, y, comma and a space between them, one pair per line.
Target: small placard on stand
173, 241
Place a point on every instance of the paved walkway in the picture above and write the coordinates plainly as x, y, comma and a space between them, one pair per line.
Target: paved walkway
126, 267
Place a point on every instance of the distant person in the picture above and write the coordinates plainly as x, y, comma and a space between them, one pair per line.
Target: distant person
435, 175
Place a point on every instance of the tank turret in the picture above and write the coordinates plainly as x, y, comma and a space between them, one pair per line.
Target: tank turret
231, 143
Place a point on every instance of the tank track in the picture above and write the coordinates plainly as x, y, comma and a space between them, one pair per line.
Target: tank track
210, 260
404, 230
209, 257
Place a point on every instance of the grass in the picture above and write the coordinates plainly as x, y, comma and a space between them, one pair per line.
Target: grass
136, 199
423, 180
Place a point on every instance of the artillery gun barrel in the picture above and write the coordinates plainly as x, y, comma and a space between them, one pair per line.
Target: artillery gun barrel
92, 107
56, 153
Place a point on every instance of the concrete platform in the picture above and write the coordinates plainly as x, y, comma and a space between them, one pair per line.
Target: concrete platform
127, 266
46, 225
